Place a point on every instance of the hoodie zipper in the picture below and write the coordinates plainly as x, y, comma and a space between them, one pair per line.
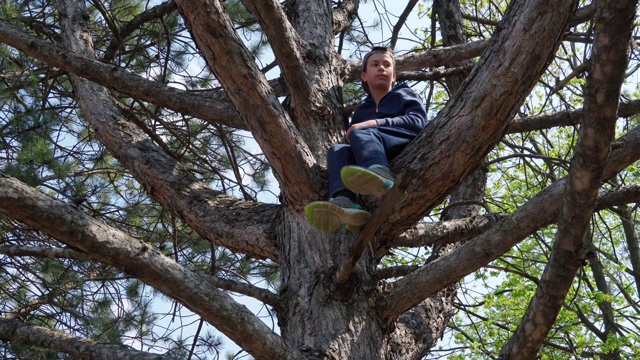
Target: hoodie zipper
378, 103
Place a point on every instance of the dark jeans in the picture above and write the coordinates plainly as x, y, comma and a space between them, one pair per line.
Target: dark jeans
375, 145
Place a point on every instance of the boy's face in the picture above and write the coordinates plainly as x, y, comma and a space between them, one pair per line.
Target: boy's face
380, 73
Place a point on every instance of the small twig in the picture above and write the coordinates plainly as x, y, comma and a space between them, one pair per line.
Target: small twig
255, 292
577, 71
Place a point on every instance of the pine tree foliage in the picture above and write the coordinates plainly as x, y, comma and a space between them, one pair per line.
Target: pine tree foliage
155, 158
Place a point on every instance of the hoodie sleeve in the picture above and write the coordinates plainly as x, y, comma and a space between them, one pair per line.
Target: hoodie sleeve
405, 109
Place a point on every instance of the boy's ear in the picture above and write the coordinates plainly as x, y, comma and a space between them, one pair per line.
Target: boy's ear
363, 77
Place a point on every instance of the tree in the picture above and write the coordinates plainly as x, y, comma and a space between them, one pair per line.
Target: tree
123, 168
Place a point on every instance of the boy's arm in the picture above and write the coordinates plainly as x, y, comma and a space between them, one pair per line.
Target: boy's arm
414, 115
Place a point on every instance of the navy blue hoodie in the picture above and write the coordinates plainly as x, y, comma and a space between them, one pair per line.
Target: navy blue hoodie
401, 107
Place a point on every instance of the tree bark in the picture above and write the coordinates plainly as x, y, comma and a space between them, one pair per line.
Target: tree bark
536, 213
115, 248
318, 319
607, 72
479, 113
139, 259
21, 333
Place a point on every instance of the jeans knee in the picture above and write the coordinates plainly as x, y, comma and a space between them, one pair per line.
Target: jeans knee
339, 155
362, 132
338, 148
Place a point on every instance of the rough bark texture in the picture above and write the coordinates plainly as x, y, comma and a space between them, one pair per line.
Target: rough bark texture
538, 212
347, 315
480, 111
597, 129
437, 310
16, 331
148, 264
112, 247
364, 318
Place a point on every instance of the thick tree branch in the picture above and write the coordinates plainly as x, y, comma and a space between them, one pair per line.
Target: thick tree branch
614, 21
565, 118
434, 75
191, 103
618, 197
414, 333
446, 232
458, 230
478, 114
539, 211
344, 14
115, 248
287, 47
396, 271
248, 89
22, 333
44, 252
213, 215
68, 253
242, 226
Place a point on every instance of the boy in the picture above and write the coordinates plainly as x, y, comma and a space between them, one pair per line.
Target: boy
382, 125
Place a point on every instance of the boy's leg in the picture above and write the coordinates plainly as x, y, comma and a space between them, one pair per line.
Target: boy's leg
372, 148
375, 180
335, 213
339, 156
377, 145
341, 209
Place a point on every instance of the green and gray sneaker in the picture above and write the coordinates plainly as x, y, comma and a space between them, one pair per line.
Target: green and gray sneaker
376, 180
331, 215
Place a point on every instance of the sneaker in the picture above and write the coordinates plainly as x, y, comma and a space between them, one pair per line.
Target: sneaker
376, 180
331, 215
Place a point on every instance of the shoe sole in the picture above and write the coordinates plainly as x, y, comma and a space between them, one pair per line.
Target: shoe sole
326, 216
365, 182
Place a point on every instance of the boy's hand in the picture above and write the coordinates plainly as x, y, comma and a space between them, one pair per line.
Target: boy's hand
360, 124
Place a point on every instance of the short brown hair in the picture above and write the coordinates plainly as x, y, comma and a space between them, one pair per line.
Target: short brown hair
375, 50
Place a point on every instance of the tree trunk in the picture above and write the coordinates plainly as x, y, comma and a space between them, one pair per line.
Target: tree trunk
365, 317
322, 320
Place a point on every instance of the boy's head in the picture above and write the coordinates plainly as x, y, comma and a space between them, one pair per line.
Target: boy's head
378, 60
